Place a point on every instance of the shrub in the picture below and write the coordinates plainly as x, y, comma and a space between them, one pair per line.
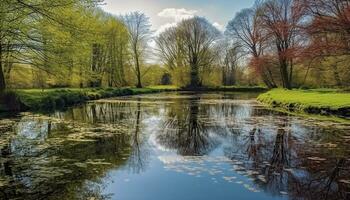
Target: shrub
10, 101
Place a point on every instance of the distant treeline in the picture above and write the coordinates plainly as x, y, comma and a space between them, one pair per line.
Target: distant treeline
74, 43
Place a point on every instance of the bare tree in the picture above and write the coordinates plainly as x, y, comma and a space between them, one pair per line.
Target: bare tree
246, 29
139, 34
229, 56
170, 49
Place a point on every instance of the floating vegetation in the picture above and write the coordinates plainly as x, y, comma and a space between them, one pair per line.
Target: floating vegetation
316, 158
229, 179
211, 167
97, 162
204, 138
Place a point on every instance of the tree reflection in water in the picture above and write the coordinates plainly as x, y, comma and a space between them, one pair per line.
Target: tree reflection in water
138, 159
286, 163
40, 163
185, 131
67, 155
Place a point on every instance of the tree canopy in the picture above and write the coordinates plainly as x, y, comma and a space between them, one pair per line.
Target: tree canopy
74, 43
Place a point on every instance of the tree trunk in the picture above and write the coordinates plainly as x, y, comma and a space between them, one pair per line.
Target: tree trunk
270, 78
232, 75
2, 77
138, 73
267, 81
81, 84
284, 74
224, 72
336, 75
194, 74
194, 77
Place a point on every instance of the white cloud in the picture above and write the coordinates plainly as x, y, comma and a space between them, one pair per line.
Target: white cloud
177, 14
164, 27
219, 26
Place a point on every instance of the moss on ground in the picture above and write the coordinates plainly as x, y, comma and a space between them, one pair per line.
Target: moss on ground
318, 101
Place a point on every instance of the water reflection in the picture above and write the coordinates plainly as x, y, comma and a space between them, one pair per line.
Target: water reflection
185, 130
138, 159
226, 139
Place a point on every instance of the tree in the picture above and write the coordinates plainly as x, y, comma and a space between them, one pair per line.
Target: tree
283, 21
19, 38
329, 27
170, 49
190, 43
246, 29
198, 37
139, 34
229, 57
117, 52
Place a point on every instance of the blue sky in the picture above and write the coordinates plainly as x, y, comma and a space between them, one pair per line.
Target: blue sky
165, 13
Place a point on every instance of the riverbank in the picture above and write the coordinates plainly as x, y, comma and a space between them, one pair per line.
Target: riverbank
318, 101
51, 99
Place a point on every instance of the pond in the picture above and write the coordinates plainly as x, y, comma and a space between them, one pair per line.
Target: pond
173, 146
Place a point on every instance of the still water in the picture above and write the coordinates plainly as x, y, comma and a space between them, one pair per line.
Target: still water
173, 146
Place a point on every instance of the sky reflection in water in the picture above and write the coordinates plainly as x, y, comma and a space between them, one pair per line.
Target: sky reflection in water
173, 146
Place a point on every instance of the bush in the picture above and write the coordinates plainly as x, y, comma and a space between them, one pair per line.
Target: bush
60, 103
47, 103
9, 101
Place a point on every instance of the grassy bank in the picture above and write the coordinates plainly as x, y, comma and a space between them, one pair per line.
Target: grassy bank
50, 99
318, 101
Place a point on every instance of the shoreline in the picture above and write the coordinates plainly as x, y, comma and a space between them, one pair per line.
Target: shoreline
46, 100
317, 102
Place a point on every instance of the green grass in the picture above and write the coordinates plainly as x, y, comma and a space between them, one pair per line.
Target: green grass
50, 99
164, 87
317, 101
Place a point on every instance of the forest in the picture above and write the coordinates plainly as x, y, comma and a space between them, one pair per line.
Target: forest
75, 44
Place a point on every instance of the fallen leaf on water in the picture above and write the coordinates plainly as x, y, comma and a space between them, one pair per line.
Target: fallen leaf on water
316, 158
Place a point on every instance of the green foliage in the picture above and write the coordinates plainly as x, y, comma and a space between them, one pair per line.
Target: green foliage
74, 43
50, 99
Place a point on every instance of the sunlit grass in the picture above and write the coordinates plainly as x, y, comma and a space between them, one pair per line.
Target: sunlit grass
164, 87
318, 101
317, 98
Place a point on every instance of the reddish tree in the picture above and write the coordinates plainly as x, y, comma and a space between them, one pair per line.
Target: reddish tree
263, 66
284, 21
329, 28
246, 29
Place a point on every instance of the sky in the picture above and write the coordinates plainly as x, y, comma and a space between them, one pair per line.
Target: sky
166, 13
